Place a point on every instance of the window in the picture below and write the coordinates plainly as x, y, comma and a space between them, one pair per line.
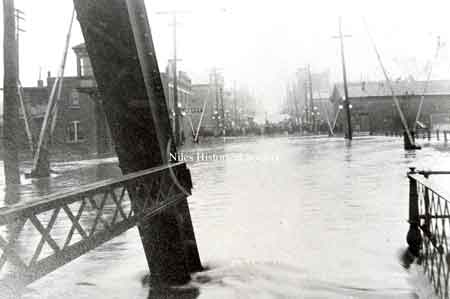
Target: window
86, 67
74, 132
75, 99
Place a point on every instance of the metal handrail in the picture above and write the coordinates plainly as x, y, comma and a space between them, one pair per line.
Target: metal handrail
96, 213
42, 203
427, 183
429, 218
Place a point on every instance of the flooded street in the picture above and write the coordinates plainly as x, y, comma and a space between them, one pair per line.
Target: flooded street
284, 217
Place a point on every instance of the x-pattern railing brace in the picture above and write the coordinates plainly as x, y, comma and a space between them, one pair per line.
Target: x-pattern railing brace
110, 195
432, 211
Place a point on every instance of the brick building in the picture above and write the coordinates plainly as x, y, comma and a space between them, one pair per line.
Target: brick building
184, 85
373, 108
81, 126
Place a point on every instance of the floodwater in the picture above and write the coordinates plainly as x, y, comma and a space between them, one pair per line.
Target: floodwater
281, 217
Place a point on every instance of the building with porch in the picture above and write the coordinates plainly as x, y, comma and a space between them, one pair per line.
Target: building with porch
80, 126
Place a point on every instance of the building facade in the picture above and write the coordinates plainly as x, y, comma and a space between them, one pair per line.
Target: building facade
184, 93
373, 108
80, 126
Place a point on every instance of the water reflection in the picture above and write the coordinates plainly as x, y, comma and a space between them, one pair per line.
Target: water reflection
189, 291
11, 195
175, 293
10, 233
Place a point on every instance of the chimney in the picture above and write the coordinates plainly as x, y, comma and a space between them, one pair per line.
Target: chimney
40, 83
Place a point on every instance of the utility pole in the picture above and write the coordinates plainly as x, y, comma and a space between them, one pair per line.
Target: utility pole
311, 100
41, 166
19, 17
222, 112
307, 112
344, 73
217, 115
234, 104
295, 101
176, 108
10, 95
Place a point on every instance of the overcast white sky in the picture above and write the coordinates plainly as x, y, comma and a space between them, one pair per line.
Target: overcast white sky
262, 43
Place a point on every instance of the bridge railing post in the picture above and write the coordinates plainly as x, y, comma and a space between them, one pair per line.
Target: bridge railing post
414, 237
426, 198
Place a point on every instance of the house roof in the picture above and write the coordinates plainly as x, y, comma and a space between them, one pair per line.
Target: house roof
404, 87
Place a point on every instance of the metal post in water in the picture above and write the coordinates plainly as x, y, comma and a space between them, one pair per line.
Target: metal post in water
119, 41
445, 136
414, 237
189, 254
429, 134
437, 135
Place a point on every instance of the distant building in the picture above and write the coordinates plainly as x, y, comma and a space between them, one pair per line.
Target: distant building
205, 109
307, 99
225, 111
81, 122
184, 85
81, 125
202, 98
373, 109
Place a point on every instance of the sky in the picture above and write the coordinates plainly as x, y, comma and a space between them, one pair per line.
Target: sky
260, 44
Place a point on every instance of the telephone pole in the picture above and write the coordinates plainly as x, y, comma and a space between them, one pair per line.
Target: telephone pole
19, 17
219, 107
344, 73
176, 108
10, 94
234, 106
311, 100
222, 112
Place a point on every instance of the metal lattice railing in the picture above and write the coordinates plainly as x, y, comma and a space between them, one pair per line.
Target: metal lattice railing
36, 238
430, 229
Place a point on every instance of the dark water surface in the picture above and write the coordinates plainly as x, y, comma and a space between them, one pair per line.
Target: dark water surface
274, 218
